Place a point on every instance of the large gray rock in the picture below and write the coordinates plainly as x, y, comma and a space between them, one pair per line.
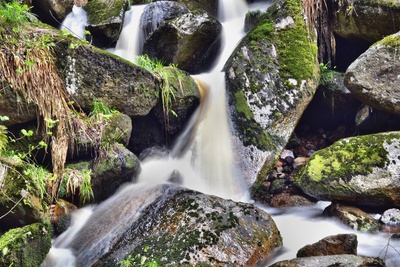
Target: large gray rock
92, 74
173, 226
190, 41
271, 78
374, 78
360, 170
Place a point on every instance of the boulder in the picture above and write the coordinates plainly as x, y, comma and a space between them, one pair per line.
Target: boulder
368, 20
181, 96
115, 167
352, 216
333, 260
52, 12
26, 246
271, 78
391, 217
170, 226
190, 41
105, 20
331, 245
117, 83
23, 190
361, 170
158, 13
374, 77
211, 6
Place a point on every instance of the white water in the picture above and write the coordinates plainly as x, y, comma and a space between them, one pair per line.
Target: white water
75, 22
206, 163
305, 225
130, 41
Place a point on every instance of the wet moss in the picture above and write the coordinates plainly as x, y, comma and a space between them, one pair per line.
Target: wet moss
241, 105
392, 41
105, 11
26, 246
347, 158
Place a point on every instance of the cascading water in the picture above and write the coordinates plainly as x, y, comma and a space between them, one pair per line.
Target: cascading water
129, 43
205, 162
75, 22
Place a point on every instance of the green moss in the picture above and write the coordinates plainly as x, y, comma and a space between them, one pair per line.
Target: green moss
26, 246
296, 50
101, 11
241, 105
391, 41
347, 158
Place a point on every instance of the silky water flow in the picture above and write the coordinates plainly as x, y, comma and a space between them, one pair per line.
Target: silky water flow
205, 162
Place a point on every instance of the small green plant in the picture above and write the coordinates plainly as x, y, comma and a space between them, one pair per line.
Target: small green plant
100, 111
3, 134
138, 261
327, 75
167, 91
85, 191
14, 13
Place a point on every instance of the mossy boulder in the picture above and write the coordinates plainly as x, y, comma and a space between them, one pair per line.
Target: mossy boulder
23, 193
26, 246
374, 77
190, 41
117, 166
361, 170
173, 226
271, 77
164, 122
92, 74
181, 91
366, 20
105, 20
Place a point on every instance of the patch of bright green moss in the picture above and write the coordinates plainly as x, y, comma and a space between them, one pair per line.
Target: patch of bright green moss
347, 158
296, 51
391, 41
241, 105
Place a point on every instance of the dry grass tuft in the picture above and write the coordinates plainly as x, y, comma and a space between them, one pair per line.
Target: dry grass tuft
27, 65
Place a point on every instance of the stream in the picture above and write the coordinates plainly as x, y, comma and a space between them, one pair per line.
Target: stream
210, 155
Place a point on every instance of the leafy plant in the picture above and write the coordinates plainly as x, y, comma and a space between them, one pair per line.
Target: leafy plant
138, 261
167, 90
14, 13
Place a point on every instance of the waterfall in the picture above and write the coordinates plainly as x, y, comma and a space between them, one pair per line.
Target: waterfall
75, 22
129, 44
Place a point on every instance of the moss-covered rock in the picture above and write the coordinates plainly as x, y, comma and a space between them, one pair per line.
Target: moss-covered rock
105, 20
361, 170
117, 83
373, 77
271, 77
173, 226
23, 193
26, 246
367, 20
